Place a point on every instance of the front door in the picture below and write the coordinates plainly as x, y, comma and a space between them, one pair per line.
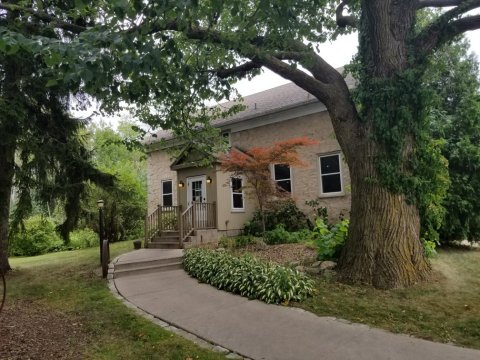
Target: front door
197, 195
196, 191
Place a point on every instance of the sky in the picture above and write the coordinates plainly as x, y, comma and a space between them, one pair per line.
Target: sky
336, 54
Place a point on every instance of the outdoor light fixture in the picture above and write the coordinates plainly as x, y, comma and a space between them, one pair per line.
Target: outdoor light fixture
209, 180
100, 204
181, 184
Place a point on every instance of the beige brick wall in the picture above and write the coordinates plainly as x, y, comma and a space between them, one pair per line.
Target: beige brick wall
305, 181
159, 169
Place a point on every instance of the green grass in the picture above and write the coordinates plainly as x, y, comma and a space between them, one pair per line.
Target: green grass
446, 310
70, 282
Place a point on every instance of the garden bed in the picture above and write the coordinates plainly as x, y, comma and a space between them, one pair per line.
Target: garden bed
284, 254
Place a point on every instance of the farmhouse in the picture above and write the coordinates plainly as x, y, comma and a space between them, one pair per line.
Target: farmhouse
191, 203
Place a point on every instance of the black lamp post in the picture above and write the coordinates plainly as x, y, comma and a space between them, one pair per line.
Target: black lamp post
100, 204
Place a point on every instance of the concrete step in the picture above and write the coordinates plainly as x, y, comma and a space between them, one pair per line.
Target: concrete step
164, 245
147, 263
146, 269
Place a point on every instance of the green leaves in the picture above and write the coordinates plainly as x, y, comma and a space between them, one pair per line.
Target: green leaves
329, 240
248, 276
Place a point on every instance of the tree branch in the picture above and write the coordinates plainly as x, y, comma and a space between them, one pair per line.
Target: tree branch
239, 71
437, 3
43, 16
342, 20
444, 30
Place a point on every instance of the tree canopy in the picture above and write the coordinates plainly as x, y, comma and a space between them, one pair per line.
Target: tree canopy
169, 57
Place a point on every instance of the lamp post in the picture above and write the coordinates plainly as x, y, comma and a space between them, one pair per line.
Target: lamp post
100, 204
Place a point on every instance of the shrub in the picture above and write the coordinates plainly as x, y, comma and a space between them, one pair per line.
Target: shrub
280, 235
37, 237
236, 241
83, 238
329, 241
284, 212
248, 276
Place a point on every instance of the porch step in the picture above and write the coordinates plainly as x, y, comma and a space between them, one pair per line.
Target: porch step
147, 266
164, 245
166, 239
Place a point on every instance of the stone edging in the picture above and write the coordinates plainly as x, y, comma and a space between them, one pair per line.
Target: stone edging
203, 343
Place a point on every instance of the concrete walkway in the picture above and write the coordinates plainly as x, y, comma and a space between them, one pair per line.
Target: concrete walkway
260, 331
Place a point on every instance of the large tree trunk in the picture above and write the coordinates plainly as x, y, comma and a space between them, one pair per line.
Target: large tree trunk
7, 158
384, 247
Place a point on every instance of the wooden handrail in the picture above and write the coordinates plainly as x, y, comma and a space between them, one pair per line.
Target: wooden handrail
197, 216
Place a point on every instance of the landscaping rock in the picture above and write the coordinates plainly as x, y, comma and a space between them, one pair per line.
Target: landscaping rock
316, 264
300, 268
295, 263
328, 265
313, 270
221, 249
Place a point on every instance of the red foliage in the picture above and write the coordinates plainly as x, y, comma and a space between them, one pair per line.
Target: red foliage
254, 164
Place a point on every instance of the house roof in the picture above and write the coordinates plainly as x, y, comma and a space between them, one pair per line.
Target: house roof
270, 101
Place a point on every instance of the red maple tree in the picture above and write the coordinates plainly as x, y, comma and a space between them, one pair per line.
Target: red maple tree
254, 165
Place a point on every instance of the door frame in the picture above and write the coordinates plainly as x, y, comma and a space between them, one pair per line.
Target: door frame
203, 179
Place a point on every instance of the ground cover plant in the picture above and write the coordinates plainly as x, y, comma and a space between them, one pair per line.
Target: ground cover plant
59, 307
248, 276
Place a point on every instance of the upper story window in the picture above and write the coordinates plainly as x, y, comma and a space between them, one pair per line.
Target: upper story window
330, 175
167, 193
237, 193
226, 136
283, 177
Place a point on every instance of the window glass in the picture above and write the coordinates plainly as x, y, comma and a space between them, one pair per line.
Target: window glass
237, 193
282, 177
167, 193
330, 174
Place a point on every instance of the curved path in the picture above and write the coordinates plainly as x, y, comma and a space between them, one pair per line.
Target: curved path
256, 330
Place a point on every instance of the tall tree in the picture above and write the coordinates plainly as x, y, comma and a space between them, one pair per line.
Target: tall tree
171, 56
455, 120
42, 154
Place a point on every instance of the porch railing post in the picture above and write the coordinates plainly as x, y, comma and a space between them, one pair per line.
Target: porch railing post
214, 211
193, 214
159, 219
180, 224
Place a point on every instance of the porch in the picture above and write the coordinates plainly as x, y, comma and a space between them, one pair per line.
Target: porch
171, 227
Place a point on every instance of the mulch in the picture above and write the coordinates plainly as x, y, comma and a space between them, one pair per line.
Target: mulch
29, 330
284, 254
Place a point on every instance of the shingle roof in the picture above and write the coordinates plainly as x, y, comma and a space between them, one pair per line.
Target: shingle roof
266, 102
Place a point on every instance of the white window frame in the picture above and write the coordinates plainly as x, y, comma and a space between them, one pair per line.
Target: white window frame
272, 171
340, 172
163, 194
234, 209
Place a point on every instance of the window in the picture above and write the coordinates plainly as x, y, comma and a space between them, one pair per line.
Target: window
330, 175
226, 137
283, 177
167, 193
237, 193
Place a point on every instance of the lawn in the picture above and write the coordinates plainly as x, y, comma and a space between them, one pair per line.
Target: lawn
65, 291
444, 310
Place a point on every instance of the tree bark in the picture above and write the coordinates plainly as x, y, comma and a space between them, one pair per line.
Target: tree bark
383, 247
7, 158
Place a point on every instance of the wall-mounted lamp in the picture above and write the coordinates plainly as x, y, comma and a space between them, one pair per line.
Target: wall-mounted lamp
209, 180
181, 184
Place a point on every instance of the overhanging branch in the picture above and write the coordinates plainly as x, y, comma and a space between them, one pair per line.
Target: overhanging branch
344, 20
43, 16
239, 71
438, 3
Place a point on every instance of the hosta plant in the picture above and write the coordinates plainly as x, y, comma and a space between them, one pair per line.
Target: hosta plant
248, 276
